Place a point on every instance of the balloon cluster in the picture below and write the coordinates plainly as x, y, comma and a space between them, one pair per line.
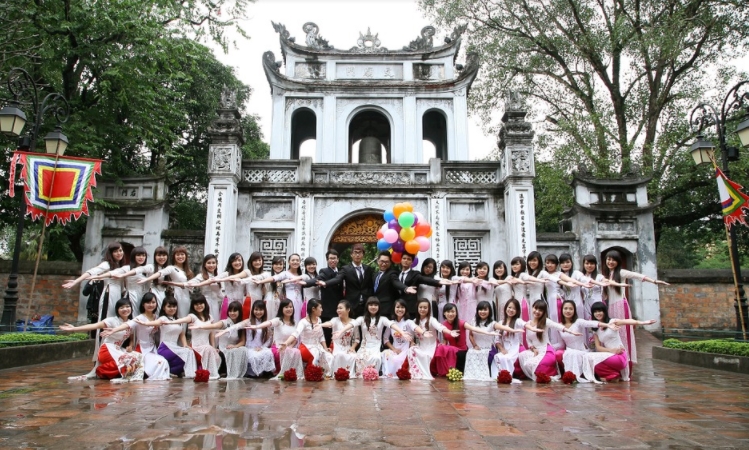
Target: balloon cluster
404, 231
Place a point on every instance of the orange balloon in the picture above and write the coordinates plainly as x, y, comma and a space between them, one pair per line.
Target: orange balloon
379, 234
429, 234
396, 257
409, 207
398, 209
412, 247
422, 228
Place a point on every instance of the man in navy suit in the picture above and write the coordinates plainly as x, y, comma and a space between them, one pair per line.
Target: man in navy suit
386, 286
329, 295
413, 278
357, 278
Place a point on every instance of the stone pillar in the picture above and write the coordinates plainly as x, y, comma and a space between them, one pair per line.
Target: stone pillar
518, 171
224, 170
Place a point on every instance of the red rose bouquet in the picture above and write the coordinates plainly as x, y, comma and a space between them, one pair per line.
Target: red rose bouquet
542, 378
202, 375
569, 378
290, 375
341, 374
504, 377
403, 373
313, 373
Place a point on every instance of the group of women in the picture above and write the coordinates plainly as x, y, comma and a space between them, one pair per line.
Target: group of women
531, 318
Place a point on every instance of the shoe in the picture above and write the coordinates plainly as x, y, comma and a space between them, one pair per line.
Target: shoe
516, 381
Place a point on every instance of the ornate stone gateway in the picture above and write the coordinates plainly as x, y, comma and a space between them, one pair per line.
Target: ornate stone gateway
359, 229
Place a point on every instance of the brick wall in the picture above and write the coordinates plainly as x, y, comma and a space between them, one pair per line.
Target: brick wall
698, 299
49, 297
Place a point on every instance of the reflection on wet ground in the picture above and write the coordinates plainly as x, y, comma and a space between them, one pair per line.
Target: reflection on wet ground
665, 406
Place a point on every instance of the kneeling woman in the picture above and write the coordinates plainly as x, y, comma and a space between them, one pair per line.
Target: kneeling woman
287, 356
311, 338
115, 361
155, 366
230, 343
540, 356
610, 360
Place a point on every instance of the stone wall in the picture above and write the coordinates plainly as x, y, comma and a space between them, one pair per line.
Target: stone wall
701, 299
50, 297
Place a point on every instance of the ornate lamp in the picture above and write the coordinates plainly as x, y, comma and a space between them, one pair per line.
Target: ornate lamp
702, 151
12, 120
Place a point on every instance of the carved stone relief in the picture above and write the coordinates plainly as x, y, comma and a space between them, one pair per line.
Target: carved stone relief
423, 42
521, 160
370, 178
359, 229
368, 43
313, 39
221, 159
312, 103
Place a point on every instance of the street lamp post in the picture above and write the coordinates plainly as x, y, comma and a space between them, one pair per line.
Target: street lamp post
12, 122
703, 116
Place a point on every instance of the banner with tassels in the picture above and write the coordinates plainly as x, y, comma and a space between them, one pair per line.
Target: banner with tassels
55, 188
732, 199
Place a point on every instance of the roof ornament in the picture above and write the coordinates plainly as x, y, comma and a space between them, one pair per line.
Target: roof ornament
457, 33
424, 42
314, 40
367, 43
281, 30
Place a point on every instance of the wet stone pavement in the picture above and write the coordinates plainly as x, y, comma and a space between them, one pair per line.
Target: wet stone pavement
666, 405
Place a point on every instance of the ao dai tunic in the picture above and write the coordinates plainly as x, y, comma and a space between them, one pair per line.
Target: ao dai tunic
158, 289
213, 293
236, 358
201, 343
115, 361
290, 358
575, 347
254, 290
477, 367
259, 356
114, 286
502, 294
528, 361
619, 309
511, 343
445, 294
156, 367
592, 295
293, 292
314, 340
341, 346
234, 290
182, 295
609, 339
371, 342
170, 334
392, 361
134, 290
420, 356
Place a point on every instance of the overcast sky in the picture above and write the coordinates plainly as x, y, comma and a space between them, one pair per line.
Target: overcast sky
397, 22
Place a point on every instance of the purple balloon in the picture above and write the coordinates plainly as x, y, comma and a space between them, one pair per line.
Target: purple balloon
415, 263
398, 246
393, 225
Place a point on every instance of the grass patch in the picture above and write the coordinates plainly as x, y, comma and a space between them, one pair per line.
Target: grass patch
16, 391
20, 339
719, 346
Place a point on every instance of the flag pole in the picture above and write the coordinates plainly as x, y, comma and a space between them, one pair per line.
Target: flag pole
41, 242
733, 262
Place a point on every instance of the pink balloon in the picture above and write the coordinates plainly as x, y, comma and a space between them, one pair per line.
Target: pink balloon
424, 243
420, 216
390, 236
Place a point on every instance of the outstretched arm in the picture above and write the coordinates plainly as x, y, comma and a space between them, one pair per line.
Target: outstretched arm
87, 327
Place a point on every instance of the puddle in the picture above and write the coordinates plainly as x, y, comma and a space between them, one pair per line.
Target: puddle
226, 439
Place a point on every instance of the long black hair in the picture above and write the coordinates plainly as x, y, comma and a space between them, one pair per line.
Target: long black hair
573, 319
510, 321
197, 299
259, 304
368, 317
483, 305
402, 303
449, 307
284, 303
237, 306
591, 259
599, 306
541, 324
169, 300
535, 255
616, 274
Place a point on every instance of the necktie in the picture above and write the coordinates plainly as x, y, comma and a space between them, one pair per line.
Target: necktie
359, 272
403, 276
377, 281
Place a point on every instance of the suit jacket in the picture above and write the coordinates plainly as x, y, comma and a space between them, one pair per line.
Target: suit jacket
388, 290
329, 295
414, 278
357, 291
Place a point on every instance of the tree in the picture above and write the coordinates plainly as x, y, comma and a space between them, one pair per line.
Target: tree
141, 87
613, 81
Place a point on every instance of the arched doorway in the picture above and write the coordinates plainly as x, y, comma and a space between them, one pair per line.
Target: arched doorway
360, 229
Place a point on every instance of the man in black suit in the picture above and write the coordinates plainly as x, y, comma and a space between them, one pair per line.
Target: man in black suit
358, 279
329, 295
413, 278
386, 286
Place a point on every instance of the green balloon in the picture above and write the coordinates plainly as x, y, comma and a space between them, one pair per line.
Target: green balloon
406, 219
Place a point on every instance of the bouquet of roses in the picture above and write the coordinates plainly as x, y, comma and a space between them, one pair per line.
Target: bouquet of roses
504, 377
569, 378
370, 373
542, 378
403, 373
455, 375
313, 373
341, 374
202, 375
290, 375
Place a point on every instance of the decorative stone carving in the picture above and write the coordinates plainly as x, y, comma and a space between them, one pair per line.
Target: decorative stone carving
221, 160
228, 99
368, 43
467, 249
422, 43
515, 128
370, 178
269, 59
521, 160
629, 227
457, 32
295, 103
281, 30
422, 71
358, 229
270, 176
271, 246
444, 104
312, 71
471, 176
313, 39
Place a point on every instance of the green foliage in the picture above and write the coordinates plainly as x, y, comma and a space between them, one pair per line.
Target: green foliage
553, 195
142, 90
719, 346
17, 339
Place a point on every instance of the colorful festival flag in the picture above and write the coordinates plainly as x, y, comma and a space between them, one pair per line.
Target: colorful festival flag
732, 199
68, 198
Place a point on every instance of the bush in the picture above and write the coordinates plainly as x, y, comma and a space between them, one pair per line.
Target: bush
719, 346
19, 339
